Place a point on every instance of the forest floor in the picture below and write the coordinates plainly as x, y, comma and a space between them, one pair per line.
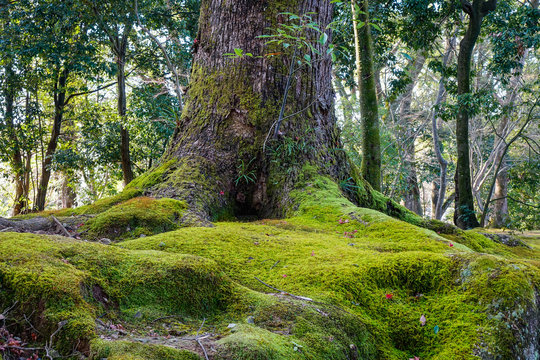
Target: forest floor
332, 282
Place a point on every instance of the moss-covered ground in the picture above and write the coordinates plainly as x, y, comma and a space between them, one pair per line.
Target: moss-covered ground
378, 288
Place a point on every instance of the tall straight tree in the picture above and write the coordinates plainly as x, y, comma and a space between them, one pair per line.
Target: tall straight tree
464, 215
116, 19
371, 143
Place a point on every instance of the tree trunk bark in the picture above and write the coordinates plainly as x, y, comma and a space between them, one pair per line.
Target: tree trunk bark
59, 104
371, 148
223, 159
125, 157
500, 215
437, 210
68, 194
16, 156
464, 215
411, 195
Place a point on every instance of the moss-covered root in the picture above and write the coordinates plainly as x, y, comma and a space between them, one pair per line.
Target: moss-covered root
285, 328
124, 350
57, 279
136, 217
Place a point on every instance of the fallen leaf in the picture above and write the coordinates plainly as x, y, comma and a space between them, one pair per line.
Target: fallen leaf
423, 320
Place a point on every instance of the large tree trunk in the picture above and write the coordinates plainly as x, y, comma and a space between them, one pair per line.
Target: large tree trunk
464, 215
371, 148
59, 105
223, 158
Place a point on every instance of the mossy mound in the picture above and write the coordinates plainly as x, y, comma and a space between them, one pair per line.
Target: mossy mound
369, 286
57, 279
385, 272
124, 350
135, 217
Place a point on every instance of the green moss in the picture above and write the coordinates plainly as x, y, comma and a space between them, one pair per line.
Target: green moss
124, 350
152, 177
57, 279
337, 253
141, 215
371, 277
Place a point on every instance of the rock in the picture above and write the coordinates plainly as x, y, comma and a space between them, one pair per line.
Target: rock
250, 320
137, 315
105, 241
161, 244
142, 235
507, 240
232, 325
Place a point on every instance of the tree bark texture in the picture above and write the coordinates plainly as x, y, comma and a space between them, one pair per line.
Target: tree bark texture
464, 215
223, 158
17, 164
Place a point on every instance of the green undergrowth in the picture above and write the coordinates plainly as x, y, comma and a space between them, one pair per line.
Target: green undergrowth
371, 278
136, 217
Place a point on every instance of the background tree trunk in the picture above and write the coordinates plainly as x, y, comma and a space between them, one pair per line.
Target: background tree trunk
59, 104
440, 185
411, 195
500, 213
464, 215
127, 171
16, 155
222, 159
369, 107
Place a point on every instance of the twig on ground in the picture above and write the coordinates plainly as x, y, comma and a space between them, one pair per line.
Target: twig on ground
301, 297
273, 266
198, 339
61, 226
284, 292
166, 317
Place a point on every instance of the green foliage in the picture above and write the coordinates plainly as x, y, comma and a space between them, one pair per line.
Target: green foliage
245, 174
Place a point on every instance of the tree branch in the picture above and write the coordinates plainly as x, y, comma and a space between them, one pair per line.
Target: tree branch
467, 7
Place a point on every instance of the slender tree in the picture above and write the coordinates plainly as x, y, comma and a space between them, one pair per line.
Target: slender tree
116, 19
371, 147
464, 215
